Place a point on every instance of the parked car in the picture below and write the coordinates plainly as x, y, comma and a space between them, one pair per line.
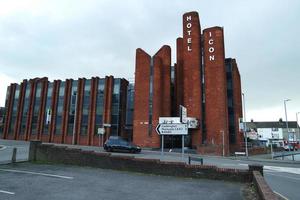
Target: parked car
115, 143
290, 147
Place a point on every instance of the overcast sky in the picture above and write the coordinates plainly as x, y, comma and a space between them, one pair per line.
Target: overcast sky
70, 39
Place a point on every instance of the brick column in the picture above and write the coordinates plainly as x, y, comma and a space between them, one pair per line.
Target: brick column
9, 107
141, 98
41, 115
92, 110
216, 108
54, 101
28, 128
192, 67
20, 110
79, 106
109, 84
66, 110
164, 54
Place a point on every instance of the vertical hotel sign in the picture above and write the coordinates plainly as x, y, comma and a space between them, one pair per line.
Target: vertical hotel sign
211, 47
189, 32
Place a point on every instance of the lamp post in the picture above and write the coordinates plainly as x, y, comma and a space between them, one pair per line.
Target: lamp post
287, 124
297, 125
245, 126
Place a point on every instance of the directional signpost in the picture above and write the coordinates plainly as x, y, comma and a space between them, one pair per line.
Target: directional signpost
171, 129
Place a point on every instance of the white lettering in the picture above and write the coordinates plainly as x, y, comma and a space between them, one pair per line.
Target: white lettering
211, 57
189, 25
189, 48
211, 49
189, 40
209, 34
189, 18
189, 32
210, 41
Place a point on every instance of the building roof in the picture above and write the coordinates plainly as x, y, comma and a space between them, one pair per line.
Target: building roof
274, 124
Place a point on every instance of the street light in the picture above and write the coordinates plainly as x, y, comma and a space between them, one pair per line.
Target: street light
286, 121
245, 126
297, 125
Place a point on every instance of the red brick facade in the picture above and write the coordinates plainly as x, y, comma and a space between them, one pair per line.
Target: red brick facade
199, 86
198, 81
192, 72
216, 113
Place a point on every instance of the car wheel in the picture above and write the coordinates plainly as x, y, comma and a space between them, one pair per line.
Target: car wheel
132, 151
109, 149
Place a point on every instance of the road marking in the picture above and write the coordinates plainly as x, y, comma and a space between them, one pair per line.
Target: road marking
6, 192
298, 179
280, 195
283, 169
2, 148
36, 173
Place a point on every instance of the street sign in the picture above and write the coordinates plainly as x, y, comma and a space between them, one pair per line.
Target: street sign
183, 114
101, 131
169, 120
192, 122
172, 129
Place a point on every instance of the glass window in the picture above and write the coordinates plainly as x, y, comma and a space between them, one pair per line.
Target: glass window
48, 110
72, 107
85, 107
36, 109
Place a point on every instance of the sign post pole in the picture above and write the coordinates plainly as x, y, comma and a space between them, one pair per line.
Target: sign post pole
182, 151
162, 145
99, 140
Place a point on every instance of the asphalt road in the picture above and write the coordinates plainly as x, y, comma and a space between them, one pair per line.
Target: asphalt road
282, 176
27, 181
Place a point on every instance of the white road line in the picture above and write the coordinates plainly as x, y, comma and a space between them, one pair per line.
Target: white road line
36, 173
298, 179
6, 192
2, 148
283, 169
280, 195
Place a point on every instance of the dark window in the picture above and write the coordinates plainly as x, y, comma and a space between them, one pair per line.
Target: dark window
72, 111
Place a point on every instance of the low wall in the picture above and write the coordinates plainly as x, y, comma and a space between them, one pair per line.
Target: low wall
57, 154
263, 189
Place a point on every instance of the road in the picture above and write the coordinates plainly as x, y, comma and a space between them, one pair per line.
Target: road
282, 176
27, 181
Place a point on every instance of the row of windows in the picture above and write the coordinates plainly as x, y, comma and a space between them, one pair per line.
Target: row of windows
116, 106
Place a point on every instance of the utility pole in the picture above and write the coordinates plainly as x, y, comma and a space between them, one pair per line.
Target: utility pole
287, 124
245, 125
298, 125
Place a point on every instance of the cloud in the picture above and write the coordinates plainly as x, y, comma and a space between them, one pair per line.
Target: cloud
72, 38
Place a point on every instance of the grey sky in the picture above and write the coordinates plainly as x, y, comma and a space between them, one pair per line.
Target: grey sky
71, 39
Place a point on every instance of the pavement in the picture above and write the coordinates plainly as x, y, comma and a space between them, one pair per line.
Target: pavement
27, 181
6, 150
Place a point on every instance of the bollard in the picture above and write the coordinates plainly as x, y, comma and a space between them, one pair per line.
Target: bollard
14, 155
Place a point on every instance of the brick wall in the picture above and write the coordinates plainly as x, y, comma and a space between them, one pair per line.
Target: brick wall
58, 154
192, 81
216, 109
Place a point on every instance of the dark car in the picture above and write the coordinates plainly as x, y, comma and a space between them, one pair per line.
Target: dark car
115, 143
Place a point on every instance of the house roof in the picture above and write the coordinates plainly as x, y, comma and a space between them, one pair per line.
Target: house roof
274, 124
